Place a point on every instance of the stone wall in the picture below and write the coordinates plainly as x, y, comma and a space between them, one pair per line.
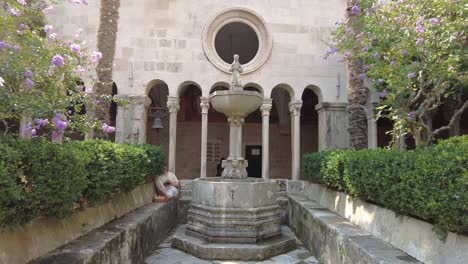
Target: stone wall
162, 40
415, 237
43, 235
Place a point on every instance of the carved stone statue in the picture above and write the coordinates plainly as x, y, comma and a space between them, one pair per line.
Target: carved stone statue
236, 69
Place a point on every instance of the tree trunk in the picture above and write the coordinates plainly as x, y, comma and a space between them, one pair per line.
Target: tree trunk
106, 42
357, 95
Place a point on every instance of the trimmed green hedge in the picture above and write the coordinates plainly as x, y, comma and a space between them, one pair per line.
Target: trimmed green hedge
39, 178
429, 183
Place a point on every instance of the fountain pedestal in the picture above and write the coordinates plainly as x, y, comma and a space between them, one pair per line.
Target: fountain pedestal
234, 217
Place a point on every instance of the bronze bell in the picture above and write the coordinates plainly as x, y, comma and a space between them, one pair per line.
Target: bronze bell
157, 123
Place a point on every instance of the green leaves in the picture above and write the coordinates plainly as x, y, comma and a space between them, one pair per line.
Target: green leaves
39, 178
430, 183
418, 43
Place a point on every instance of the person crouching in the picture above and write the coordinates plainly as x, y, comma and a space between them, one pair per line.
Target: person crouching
167, 186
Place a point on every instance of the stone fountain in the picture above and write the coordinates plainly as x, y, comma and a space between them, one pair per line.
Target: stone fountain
234, 217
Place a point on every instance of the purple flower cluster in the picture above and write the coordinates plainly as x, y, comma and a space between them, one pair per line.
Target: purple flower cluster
96, 56
21, 2
48, 9
14, 12
420, 29
60, 122
48, 28
107, 129
383, 94
355, 10
362, 76
75, 48
412, 115
347, 54
411, 75
4, 45
28, 74
29, 130
58, 61
434, 21
40, 123
29, 84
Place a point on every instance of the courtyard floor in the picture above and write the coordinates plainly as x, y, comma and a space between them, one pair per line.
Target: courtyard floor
165, 254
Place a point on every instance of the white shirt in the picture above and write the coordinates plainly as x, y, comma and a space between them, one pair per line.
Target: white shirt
164, 181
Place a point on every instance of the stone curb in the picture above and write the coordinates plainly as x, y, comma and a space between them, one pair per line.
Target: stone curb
333, 239
125, 240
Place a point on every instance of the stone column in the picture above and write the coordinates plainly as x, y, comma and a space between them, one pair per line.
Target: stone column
25, 120
173, 106
265, 108
333, 125
295, 110
372, 126
205, 105
235, 165
131, 120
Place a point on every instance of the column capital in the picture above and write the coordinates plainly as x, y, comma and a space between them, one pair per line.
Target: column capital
173, 104
327, 106
295, 107
266, 107
204, 104
236, 120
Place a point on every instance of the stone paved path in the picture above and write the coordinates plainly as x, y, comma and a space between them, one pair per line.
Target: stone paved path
165, 254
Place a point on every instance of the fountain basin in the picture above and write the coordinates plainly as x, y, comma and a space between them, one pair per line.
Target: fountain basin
233, 219
236, 102
225, 210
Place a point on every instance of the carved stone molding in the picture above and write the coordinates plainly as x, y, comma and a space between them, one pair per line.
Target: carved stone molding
295, 108
236, 120
242, 15
234, 168
204, 104
173, 104
266, 107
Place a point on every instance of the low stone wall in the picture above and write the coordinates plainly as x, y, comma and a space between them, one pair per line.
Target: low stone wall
334, 240
43, 235
413, 236
127, 240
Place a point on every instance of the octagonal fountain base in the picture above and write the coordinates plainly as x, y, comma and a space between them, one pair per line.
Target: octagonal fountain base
233, 219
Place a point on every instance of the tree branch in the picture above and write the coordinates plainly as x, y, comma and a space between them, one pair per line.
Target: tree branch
453, 119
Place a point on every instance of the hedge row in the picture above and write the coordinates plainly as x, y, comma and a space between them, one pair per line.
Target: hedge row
428, 183
39, 178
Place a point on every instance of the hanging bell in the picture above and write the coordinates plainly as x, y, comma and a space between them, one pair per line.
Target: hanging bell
157, 123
